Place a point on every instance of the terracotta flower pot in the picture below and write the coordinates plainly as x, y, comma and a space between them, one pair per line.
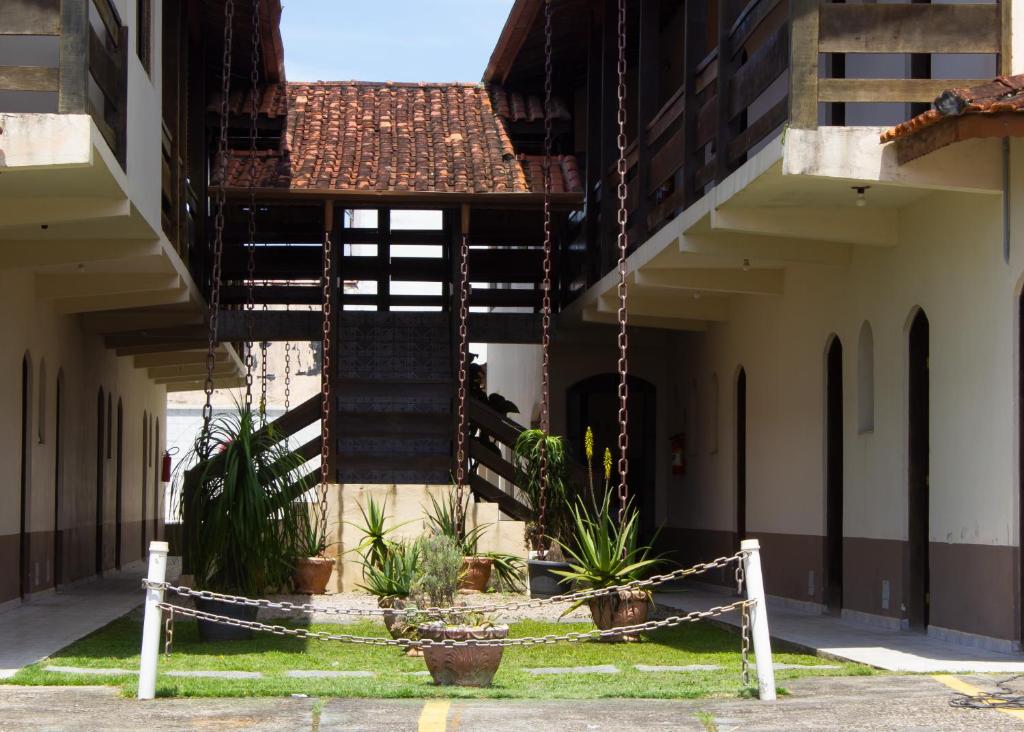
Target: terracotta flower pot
475, 573
462, 665
312, 574
626, 607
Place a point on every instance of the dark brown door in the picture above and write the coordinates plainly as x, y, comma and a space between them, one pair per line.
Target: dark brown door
99, 482
918, 504
24, 576
834, 479
741, 455
58, 484
118, 486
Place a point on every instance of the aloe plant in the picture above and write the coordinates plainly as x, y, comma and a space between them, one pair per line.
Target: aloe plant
375, 544
397, 572
604, 551
443, 520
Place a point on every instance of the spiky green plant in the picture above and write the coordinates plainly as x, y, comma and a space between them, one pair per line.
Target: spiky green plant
397, 572
239, 509
507, 571
375, 544
443, 520
604, 551
527, 460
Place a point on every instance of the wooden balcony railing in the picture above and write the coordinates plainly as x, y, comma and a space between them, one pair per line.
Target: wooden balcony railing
83, 71
776, 62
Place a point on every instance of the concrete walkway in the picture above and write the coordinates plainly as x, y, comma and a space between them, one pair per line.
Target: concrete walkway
46, 624
891, 650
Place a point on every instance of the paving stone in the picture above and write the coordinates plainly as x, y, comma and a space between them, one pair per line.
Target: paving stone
607, 669
415, 673
314, 674
90, 671
215, 674
785, 666
692, 667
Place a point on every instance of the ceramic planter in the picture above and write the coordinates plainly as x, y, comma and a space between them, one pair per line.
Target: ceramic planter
394, 620
625, 607
475, 573
311, 575
543, 580
210, 632
462, 665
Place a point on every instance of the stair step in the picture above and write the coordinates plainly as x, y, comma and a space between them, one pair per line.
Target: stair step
395, 424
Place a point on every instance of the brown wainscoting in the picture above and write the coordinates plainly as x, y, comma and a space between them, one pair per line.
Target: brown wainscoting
687, 547
40, 554
974, 588
867, 563
788, 560
9, 576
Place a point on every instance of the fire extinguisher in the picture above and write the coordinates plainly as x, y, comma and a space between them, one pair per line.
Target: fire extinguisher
165, 472
678, 443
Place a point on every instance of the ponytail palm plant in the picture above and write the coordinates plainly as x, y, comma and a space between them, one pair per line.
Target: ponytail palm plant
527, 459
241, 519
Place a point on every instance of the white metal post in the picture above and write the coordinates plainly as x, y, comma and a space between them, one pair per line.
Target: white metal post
151, 622
759, 619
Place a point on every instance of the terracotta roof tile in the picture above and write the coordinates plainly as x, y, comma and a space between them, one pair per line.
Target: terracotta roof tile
384, 137
1003, 94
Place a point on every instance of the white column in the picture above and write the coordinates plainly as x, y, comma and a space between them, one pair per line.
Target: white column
151, 622
759, 619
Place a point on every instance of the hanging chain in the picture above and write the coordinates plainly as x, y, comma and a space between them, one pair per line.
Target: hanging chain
411, 611
325, 388
623, 251
287, 375
169, 632
250, 305
218, 221
545, 318
460, 437
572, 637
745, 642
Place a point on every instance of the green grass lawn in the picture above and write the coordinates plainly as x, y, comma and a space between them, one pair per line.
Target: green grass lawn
117, 646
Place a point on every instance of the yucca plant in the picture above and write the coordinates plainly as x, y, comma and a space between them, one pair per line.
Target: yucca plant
603, 551
375, 544
396, 574
239, 509
443, 520
507, 571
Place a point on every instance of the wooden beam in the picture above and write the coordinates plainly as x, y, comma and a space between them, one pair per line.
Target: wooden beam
914, 28
888, 90
120, 301
104, 284
74, 54
29, 78
408, 199
176, 358
674, 306
36, 18
18, 211
720, 280
765, 249
25, 253
803, 63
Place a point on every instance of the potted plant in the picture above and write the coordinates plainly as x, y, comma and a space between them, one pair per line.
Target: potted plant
240, 516
436, 587
445, 519
391, 578
312, 569
545, 554
604, 553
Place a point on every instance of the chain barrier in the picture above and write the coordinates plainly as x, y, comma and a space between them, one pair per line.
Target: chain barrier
169, 631
545, 318
213, 307
623, 251
745, 644
460, 437
573, 637
250, 299
325, 386
310, 608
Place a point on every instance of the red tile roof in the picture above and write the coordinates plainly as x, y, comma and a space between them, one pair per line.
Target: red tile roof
392, 137
1004, 94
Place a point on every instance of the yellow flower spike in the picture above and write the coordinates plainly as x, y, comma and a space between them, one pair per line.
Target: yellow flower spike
607, 463
588, 443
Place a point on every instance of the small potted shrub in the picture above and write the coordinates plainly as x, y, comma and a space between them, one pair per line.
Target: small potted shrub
443, 519
312, 569
240, 517
604, 553
438, 583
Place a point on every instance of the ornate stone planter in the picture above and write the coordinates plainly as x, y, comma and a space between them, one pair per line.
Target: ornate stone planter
462, 665
626, 607
474, 574
395, 621
312, 574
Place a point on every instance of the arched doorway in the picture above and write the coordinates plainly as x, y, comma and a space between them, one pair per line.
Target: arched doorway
118, 486
100, 421
834, 477
594, 402
58, 481
917, 474
741, 454
24, 537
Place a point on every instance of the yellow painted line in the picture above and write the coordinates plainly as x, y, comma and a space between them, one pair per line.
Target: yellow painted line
964, 688
434, 717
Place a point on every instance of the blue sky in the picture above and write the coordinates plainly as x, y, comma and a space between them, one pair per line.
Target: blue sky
390, 40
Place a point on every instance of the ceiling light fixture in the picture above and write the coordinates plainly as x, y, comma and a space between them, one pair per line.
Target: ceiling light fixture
862, 200
746, 265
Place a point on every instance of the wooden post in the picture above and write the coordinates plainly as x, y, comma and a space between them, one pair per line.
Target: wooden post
592, 262
726, 11
74, 57
696, 23
647, 106
803, 64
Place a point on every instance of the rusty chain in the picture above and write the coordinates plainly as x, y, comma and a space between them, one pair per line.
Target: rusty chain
572, 637
623, 252
740, 576
213, 307
325, 387
583, 595
287, 375
250, 300
169, 632
545, 318
460, 436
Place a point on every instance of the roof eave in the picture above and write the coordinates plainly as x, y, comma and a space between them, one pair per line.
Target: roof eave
438, 199
517, 27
